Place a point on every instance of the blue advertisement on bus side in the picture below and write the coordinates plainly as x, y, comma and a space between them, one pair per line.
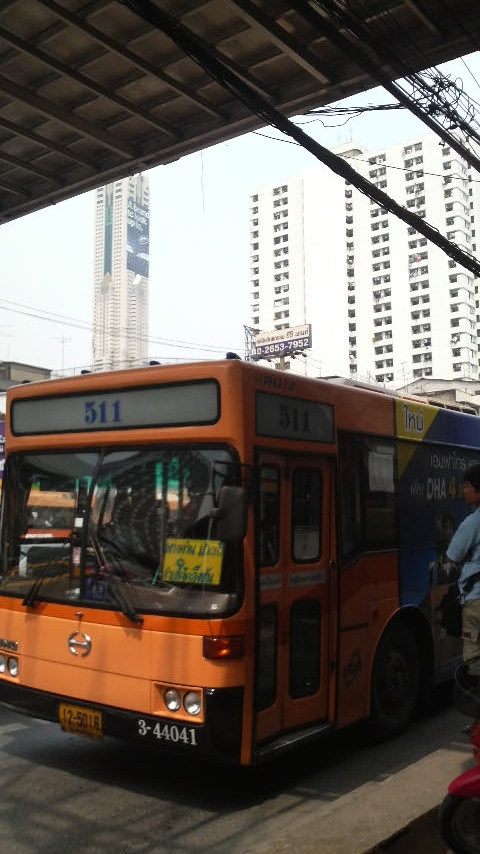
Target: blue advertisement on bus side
435, 448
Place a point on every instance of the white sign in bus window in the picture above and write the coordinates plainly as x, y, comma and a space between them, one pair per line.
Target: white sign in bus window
381, 469
157, 406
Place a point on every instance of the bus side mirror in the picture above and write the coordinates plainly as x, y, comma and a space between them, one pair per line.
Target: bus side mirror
231, 514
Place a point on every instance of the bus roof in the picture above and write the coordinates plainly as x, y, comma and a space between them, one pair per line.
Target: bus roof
143, 391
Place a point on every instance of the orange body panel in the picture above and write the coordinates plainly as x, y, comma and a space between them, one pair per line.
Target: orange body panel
368, 600
123, 663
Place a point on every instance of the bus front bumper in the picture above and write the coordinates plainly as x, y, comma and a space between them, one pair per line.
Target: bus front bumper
218, 739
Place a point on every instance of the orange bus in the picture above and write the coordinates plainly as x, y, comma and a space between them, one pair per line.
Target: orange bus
248, 559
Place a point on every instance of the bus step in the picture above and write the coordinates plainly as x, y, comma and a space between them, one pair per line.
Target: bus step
290, 740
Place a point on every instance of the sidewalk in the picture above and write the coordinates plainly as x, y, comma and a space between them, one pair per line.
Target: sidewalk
397, 815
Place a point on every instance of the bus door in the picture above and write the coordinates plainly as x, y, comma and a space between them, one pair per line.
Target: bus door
295, 563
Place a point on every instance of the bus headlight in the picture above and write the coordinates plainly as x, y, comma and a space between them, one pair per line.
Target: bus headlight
172, 700
192, 703
3, 664
13, 666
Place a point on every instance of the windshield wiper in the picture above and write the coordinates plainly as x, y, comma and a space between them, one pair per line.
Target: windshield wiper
115, 589
31, 596
118, 593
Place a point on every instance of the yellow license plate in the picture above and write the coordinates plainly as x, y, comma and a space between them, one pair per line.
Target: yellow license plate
80, 721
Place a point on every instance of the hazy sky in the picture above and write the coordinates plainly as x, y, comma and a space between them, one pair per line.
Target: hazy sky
199, 223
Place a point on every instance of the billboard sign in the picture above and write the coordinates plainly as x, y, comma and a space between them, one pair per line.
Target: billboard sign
138, 237
108, 231
281, 342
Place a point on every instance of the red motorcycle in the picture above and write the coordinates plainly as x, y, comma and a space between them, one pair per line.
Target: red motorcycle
459, 814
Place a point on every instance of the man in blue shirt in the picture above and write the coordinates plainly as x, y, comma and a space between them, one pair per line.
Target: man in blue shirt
464, 550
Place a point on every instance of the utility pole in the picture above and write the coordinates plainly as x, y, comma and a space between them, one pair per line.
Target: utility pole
63, 340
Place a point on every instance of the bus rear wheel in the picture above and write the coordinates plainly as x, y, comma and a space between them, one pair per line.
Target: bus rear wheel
395, 682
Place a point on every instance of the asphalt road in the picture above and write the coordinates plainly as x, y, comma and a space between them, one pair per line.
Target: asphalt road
62, 793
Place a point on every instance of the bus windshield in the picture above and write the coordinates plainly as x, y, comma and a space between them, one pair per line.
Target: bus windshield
135, 525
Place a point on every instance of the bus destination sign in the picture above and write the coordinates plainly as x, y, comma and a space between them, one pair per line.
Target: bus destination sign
293, 418
153, 406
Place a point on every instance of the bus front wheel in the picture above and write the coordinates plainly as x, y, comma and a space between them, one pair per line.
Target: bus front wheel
395, 682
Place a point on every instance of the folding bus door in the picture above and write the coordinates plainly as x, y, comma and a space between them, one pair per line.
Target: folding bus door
295, 562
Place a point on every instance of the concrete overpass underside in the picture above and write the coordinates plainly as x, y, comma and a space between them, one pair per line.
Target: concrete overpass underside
93, 91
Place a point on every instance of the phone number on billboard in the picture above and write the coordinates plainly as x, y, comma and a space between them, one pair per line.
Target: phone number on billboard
283, 346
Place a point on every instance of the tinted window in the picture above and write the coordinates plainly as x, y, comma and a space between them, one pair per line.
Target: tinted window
367, 494
269, 515
306, 514
267, 646
305, 648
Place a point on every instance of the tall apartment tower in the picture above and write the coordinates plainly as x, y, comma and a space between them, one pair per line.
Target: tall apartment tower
121, 269
385, 304
297, 261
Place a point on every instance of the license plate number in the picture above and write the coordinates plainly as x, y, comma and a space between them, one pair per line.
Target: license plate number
80, 721
173, 733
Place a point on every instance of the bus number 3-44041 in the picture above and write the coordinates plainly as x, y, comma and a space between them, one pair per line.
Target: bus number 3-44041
105, 412
168, 732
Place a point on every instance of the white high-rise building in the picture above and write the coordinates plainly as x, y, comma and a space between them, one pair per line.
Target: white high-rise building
385, 304
121, 269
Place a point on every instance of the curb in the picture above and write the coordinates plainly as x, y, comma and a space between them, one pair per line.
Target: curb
422, 836
393, 815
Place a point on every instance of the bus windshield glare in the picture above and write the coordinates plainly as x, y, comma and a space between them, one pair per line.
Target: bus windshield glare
141, 526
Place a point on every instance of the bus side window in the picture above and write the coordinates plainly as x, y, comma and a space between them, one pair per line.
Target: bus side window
380, 489
269, 516
305, 645
306, 514
350, 496
267, 652
367, 494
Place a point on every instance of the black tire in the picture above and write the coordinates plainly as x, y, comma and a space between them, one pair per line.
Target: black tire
395, 682
459, 821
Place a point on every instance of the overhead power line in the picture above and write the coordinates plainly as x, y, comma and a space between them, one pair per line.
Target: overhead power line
355, 111
356, 41
225, 76
85, 326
